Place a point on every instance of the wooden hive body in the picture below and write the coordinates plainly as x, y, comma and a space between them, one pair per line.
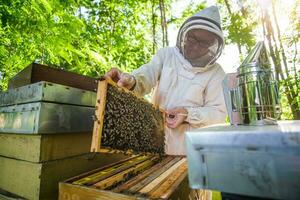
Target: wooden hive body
125, 122
55, 145
36, 72
138, 177
39, 180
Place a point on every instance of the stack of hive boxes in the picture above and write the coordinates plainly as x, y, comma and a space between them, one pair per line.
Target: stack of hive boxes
45, 137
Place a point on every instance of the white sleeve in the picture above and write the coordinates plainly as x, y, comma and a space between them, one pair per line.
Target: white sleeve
213, 110
148, 75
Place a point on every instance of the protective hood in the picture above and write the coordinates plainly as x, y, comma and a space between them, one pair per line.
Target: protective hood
207, 19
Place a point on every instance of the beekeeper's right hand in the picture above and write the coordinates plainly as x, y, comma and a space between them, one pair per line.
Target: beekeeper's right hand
122, 79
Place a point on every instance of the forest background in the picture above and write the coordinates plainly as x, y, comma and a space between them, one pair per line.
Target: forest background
91, 36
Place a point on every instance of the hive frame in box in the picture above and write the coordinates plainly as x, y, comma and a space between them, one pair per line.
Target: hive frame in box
100, 110
107, 182
99, 116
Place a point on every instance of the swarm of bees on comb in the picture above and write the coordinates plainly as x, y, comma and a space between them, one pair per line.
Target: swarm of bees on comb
131, 123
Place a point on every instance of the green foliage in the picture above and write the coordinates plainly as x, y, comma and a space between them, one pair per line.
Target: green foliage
91, 36
239, 25
240, 30
286, 112
293, 82
81, 36
122, 32
287, 55
192, 8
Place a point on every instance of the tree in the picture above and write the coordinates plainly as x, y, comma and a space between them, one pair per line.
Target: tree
83, 36
239, 26
89, 37
164, 26
279, 58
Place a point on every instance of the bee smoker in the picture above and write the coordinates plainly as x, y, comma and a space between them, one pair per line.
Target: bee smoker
251, 94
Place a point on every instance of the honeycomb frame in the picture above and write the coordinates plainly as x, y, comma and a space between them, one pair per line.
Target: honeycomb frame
126, 122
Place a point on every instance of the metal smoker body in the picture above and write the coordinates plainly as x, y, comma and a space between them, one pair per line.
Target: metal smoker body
255, 95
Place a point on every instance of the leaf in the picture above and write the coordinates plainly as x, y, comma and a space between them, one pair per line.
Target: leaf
46, 5
96, 56
65, 56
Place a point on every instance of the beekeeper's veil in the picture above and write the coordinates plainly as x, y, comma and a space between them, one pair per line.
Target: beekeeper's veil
207, 19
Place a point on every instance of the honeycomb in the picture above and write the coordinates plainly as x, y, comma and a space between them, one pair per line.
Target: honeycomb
131, 123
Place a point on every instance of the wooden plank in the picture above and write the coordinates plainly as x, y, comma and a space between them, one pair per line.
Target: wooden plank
156, 183
67, 168
4, 195
20, 177
45, 147
153, 176
37, 72
103, 174
64, 145
74, 179
183, 191
46, 118
141, 176
70, 192
170, 184
28, 146
40, 180
123, 175
47, 92
99, 116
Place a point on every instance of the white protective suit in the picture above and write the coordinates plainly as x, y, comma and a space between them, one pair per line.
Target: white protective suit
177, 83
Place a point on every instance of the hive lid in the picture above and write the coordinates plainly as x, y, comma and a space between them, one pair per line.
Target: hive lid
224, 138
36, 72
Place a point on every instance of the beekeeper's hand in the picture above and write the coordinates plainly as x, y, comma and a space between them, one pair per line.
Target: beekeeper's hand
175, 117
122, 79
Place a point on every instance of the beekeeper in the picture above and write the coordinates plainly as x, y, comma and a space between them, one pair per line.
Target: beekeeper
186, 78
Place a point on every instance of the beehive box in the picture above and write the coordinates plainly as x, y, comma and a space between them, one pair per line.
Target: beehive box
36, 72
45, 117
44, 147
32, 180
45, 121
46, 107
47, 92
126, 122
46, 132
139, 177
